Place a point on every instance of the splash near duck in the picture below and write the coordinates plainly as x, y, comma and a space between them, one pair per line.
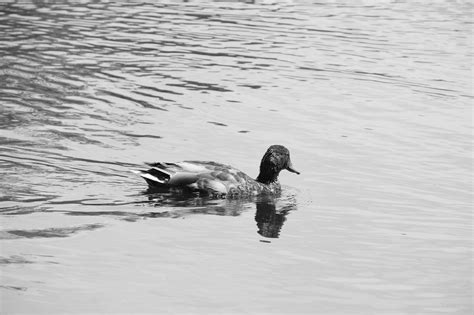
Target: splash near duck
219, 180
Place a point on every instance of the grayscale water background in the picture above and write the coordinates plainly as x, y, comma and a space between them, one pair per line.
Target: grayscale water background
373, 99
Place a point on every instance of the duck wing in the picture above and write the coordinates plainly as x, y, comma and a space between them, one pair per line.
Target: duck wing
195, 175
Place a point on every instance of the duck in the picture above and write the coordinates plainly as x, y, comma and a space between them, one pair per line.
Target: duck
219, 180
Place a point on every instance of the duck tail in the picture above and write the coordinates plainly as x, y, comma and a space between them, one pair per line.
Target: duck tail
154, 176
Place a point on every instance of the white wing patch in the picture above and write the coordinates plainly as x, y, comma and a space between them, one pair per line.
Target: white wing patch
192, 168
214, 185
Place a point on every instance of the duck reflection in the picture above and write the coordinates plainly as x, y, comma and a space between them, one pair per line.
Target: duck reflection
183, 204
270, 215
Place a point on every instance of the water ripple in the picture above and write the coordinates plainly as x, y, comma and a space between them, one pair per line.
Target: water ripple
373, 99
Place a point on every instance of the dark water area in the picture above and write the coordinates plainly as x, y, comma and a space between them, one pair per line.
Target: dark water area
373, 99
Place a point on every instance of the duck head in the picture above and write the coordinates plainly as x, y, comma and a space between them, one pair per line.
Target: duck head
276, 158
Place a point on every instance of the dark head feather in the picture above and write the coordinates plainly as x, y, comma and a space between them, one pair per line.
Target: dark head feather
276, 158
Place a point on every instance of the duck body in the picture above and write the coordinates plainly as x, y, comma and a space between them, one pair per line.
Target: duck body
216, 179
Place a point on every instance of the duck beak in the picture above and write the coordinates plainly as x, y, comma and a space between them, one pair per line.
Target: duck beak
291, 169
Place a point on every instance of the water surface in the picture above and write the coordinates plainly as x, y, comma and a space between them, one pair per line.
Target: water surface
373, 99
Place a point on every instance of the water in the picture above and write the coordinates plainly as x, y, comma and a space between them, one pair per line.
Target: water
373, 99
